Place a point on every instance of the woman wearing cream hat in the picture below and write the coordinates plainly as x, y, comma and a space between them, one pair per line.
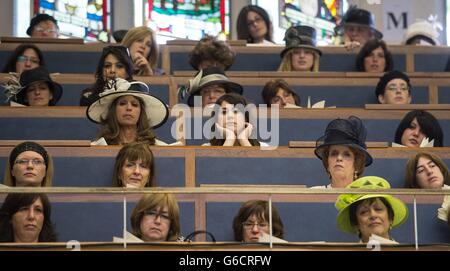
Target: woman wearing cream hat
370, 214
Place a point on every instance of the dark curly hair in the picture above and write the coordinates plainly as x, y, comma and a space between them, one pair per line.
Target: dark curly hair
210, 48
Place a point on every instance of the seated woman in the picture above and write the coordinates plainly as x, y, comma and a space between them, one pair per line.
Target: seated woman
210, 83
25, 57
370, 214
423, 32
393, 88
426, 170
134, 166
231, 125
416, 126
278, 91
156, 218
211, 52
29, 164
254, 25
357, 27
301, 53
143, 48
26, 218
115, 62
343, 151
34, 88
252, 221
374, 57
127, 113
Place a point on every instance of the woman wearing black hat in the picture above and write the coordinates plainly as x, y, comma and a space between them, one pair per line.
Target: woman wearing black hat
34, 88
357, 27
393, 88
416, 126
29, 164
300, 53
343, 151
43, 26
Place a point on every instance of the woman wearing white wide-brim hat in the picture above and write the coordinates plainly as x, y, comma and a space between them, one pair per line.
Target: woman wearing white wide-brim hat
127, 113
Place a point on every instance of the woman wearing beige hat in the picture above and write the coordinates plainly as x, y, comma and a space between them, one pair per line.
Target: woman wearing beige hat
127, 113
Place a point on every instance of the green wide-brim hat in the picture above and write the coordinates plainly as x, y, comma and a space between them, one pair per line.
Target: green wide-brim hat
344, 202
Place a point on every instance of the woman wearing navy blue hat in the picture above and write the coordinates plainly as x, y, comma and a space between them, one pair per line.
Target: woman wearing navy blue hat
343, 151
301, 53
357, 27
34, 88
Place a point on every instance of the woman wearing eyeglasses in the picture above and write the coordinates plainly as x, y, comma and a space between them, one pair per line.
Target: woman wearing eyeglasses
156, 218
25, 57
394, 88
29, 164
252, 221
254, 25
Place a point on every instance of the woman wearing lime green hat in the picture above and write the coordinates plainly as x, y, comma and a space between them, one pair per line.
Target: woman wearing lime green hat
370, 214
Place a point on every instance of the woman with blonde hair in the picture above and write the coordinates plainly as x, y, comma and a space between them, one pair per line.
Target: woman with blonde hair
143, 48
156, 218
301, 53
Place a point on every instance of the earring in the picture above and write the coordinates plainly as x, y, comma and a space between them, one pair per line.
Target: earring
356, 175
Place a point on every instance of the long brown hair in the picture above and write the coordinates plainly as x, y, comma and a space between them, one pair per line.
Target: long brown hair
111, 128
411, 169
140, 32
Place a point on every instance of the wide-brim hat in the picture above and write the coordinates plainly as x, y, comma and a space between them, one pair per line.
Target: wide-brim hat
40, 18
156, 110
349, 132
301, 36
358, 17
344, 202
211, 76
39, 74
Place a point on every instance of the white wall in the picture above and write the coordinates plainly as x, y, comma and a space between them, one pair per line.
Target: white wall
416, 9
6, 17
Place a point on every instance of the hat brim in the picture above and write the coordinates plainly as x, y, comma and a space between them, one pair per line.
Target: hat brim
54, 87
319, 151
300, 46
156, 110
340, 28
398, 207
229, 87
